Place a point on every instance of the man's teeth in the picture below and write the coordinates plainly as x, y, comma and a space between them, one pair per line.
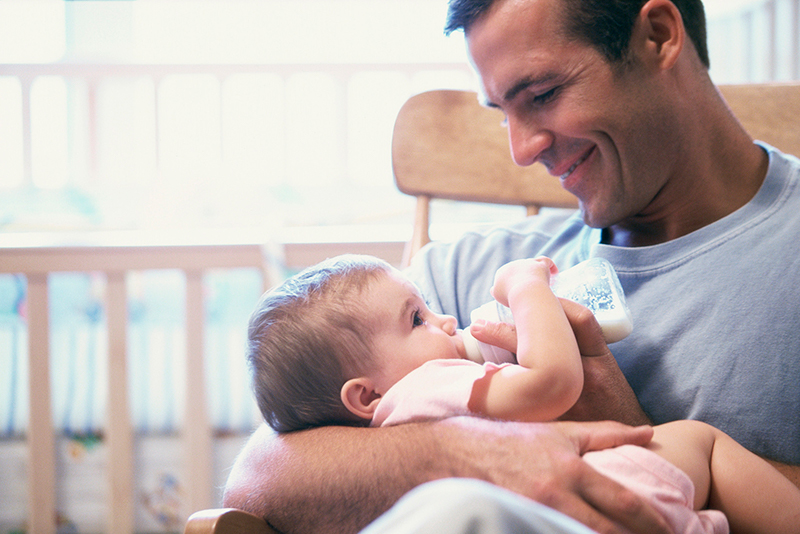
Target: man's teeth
574, 165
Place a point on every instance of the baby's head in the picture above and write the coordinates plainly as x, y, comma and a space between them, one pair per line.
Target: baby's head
307, 337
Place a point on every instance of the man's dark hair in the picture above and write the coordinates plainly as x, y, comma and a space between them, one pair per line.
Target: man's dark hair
604, 24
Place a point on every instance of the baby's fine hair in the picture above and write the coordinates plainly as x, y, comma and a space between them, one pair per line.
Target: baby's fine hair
306, 337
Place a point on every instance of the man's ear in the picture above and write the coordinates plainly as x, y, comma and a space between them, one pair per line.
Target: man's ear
658, 33
359, 396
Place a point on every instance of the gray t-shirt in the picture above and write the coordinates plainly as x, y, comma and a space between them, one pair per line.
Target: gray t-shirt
716, 313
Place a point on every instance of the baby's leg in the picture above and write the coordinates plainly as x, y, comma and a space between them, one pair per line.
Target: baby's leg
753, 495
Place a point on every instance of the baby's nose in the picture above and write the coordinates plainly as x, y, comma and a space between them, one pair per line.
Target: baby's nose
449, 324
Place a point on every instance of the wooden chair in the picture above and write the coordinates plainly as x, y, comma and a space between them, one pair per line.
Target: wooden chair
446, 145
226, 521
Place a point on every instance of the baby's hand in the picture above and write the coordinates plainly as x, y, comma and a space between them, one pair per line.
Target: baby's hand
521, 273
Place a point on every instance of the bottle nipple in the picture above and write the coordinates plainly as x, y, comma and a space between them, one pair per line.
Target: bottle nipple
471, 346
480, 352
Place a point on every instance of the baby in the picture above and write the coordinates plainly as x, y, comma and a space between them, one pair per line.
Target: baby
351, 341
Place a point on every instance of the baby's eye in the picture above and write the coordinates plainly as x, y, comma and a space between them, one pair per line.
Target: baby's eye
417, 319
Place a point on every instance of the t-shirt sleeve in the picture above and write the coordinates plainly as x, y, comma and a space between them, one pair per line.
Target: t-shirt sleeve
436, 389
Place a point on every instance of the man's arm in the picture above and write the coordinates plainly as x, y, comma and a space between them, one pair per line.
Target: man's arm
606, 395
338, 479
325, 479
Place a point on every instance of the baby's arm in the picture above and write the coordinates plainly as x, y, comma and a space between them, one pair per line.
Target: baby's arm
753, 495
549, 377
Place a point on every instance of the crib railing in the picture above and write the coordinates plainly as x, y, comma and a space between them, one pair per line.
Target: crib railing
115, 255
115, 260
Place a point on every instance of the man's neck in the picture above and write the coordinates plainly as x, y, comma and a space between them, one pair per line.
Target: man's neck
715, 192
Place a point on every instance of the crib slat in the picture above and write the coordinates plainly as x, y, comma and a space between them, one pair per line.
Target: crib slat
118, 424
197, 428
41, 448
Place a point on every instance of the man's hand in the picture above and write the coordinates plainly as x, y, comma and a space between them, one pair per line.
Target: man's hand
542, 461
606, 393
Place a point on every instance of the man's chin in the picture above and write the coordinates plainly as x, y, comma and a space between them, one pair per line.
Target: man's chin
602, 211
588, 216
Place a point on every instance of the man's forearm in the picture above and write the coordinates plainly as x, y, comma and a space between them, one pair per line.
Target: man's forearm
332, 479
338, 479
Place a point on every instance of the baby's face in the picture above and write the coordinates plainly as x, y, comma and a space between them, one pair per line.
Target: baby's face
408, 334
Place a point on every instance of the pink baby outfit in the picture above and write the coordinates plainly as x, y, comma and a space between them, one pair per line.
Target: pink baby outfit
441, 388
668, 489
436, 389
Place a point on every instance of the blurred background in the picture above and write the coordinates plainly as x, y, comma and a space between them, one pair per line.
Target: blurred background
249, 113
267, 121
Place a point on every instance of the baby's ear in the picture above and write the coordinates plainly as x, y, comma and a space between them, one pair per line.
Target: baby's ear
359, 396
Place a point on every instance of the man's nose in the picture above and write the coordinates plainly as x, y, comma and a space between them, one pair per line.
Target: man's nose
527, 142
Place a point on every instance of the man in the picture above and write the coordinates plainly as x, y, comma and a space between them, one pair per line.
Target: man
674, 193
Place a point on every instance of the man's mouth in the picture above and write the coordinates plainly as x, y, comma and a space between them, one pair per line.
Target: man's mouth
575, 165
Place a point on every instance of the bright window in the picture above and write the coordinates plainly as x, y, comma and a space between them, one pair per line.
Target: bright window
206, 113
260, 113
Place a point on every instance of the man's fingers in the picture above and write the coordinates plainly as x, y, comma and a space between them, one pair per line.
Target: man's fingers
619, 504
600, 503
587, 330
606, 434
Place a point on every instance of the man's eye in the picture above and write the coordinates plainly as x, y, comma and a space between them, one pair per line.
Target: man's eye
417, 320
545, 97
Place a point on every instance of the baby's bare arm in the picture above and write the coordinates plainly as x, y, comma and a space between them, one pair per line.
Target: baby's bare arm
792, 472
606, 395
754, 496
549, 378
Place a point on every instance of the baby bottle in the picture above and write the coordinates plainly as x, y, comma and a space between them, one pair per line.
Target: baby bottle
592, 283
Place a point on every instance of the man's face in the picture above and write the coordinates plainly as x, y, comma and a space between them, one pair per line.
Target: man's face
594, 126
